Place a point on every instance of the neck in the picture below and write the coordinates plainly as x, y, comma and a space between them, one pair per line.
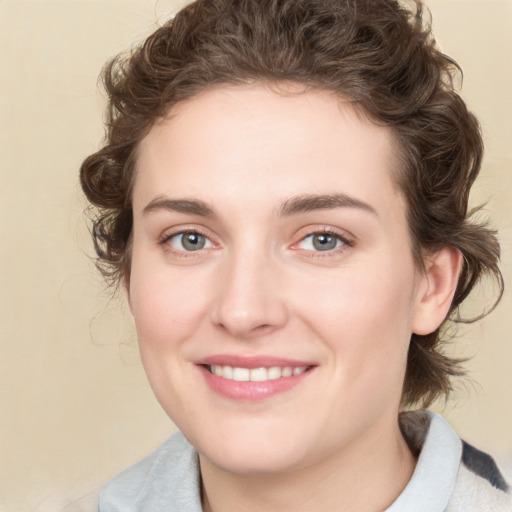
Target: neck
366, 476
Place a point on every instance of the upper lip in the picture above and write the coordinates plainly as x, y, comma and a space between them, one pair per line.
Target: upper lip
260, 361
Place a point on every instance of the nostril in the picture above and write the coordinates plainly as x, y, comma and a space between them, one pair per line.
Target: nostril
264, 327
244, 306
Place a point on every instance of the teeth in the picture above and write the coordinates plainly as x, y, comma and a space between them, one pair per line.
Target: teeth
259, 374
274, 373
227, 371
255, 374
287, 372
239, 374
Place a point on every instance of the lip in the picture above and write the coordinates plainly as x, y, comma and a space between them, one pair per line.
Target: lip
248, 391
261, 361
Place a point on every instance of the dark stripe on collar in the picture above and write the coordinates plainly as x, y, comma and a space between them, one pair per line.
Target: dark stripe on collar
483, 465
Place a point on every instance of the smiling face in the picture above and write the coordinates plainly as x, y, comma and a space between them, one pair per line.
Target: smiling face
272, 282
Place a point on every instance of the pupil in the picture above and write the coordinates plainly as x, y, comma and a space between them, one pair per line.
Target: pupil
193, 241
324, 242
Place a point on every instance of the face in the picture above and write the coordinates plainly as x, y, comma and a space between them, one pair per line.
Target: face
272, 281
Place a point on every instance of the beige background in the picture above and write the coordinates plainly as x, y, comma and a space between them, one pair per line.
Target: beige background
75, 405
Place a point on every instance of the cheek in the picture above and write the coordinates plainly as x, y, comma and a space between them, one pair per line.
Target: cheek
364, 316
359, 301
166, 305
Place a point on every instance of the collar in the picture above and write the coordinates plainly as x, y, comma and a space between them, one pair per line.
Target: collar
169, 479
434, 478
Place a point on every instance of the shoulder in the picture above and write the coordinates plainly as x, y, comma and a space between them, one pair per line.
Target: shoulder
450, 475
480, 484
167, 479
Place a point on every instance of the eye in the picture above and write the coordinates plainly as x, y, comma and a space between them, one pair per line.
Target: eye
189, 241
321, 242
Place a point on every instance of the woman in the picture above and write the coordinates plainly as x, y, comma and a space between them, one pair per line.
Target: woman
283, 193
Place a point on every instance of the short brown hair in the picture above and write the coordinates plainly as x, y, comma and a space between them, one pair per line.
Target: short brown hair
377, 53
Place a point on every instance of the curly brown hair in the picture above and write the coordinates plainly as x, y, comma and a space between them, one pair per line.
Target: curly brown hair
379, 54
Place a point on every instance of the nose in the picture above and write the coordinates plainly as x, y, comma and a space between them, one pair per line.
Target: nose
249, 301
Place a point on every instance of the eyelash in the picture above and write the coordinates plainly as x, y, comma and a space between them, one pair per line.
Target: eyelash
347, 243
166, 238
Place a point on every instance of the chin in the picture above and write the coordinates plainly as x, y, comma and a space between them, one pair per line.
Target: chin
252, 451
254, 462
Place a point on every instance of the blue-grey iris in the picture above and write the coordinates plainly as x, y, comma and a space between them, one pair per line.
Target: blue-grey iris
193, 241
324, 242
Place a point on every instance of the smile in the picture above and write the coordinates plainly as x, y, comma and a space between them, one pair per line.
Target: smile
262, 374
253, 378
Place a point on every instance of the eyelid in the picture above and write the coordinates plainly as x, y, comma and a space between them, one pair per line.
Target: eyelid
182, 237
347, 239
183, 230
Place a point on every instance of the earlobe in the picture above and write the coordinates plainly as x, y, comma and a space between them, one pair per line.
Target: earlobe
436, 290
126, 287
128, 299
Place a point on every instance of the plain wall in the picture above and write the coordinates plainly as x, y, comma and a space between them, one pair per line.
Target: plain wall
75, 404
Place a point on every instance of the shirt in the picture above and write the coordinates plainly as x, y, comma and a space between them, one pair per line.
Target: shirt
450, 476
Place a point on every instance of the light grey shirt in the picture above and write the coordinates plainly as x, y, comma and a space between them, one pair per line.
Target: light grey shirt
450, 476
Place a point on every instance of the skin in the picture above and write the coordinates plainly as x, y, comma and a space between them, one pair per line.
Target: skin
260, 286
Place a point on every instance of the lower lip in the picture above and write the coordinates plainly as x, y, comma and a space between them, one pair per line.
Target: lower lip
251, 391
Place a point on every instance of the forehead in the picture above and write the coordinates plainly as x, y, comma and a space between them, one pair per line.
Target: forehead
249, 141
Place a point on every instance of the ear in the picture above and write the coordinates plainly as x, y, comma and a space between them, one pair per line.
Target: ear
436, 289
126, 286
129, 300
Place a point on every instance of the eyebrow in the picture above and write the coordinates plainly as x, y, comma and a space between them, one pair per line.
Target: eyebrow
192, 206
293, 206
307, 203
